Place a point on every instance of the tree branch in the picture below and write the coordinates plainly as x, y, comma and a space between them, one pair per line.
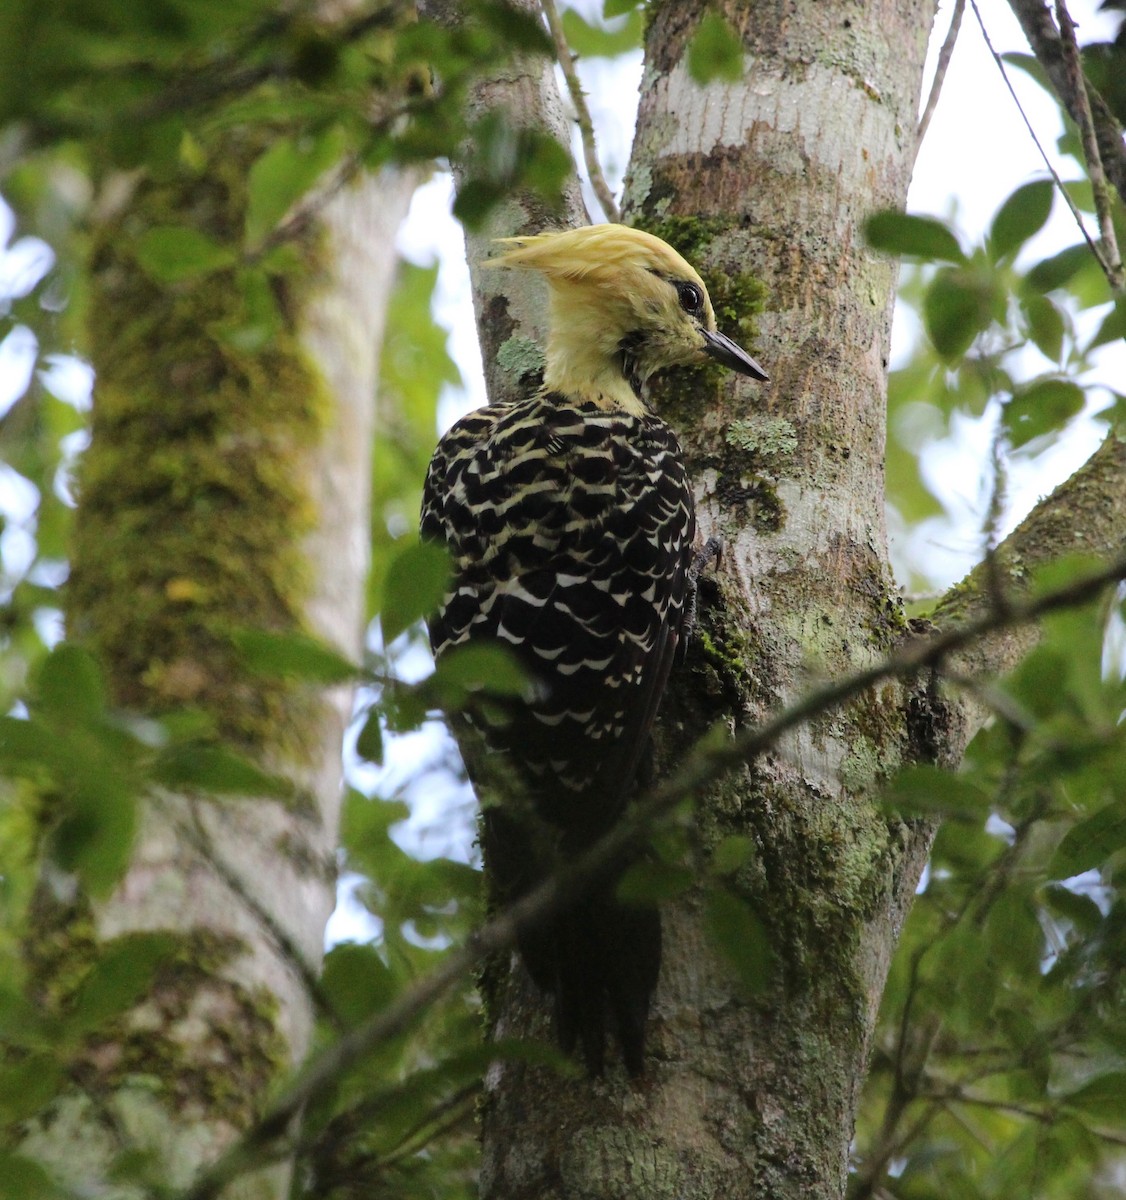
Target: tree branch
940, 68
1112, 260
1074, 208
1036, 21
703, 767
582, 112
510, 308
1086, 515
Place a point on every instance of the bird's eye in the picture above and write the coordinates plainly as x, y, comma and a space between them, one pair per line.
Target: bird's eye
691, 298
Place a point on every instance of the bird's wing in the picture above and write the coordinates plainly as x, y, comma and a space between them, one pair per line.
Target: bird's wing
571, 534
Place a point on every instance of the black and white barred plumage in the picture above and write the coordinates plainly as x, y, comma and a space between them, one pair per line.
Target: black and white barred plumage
570, 523
571, 531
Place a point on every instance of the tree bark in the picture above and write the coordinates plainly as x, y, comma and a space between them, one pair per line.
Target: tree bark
224, 488
766, 180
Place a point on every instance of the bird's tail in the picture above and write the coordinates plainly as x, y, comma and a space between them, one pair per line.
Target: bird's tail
603, 959
599, 957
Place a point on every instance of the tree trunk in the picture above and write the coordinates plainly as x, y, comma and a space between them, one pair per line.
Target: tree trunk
764, 185
226, 487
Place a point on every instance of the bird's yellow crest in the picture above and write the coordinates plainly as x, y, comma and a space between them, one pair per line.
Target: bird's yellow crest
624, 304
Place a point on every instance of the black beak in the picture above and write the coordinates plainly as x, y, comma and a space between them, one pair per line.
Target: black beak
724, 350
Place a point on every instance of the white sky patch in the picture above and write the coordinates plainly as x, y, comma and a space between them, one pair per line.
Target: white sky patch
69, 379
17, 361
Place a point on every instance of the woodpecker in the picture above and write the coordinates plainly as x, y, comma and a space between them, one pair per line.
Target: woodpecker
570, 524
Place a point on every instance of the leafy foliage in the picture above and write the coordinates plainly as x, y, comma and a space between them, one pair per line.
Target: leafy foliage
715, 52
999, 1059
1009, 340
998, 1067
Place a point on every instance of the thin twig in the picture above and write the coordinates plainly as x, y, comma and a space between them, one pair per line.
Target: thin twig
1043, 153
994, 513
1099, 186
1045, 1116
701, 769
940, 68
199, 837
868, 1181
582, 113
1036, 21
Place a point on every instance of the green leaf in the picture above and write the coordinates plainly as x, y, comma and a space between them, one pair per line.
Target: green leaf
94, 836
1113, 327
1104, 1096
365, 822
414, 586
1019, 218
1058, 270
369, 742
24, 1179
1032, 67
1040, 408
741, 936
122, 974
218, 770
900, 233
171, 253
293, 656
1074, 906
958, 306
356, 981
732, 853
653, 882
1045, 325
962, 977
619, 8
715, 51
70, 684
414, 367
518, 30
1091, 842
26, 1086
926, 789
283, 174
503, 158
596, 41
490, 667
260, 320
1012, 933
27, 747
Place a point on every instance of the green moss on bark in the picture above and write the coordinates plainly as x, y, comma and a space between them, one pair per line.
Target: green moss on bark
193, 492
196, 1040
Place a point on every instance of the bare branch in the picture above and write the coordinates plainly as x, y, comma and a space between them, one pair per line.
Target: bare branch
940, 68
582, 112
1043, 153
1112, 260
1043, 37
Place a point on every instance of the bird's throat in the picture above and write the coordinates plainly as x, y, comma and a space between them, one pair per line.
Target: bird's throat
588, 373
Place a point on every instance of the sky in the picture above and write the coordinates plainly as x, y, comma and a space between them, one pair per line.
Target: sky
977, 150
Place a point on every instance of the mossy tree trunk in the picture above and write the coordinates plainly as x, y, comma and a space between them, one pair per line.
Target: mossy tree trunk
763, 185
225, 488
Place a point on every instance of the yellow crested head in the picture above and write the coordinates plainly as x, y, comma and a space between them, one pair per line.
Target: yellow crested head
624, 304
